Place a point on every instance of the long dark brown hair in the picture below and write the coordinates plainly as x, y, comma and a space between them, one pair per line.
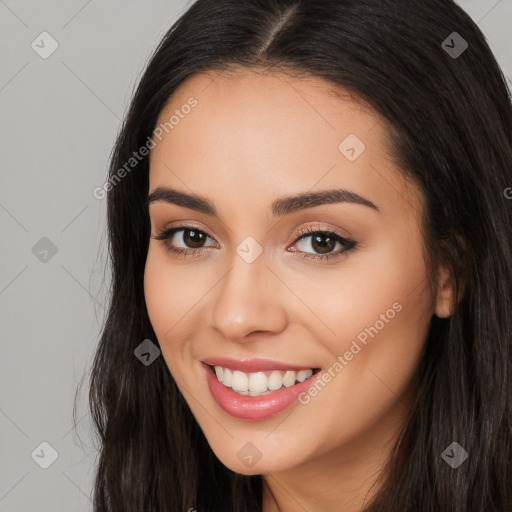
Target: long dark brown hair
451, 129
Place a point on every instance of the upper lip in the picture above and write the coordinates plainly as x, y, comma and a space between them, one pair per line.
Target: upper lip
253, 365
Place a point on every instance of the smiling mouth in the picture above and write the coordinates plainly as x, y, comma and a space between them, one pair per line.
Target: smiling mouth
260, 383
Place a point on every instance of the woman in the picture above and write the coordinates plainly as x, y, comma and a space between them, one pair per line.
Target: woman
310, 241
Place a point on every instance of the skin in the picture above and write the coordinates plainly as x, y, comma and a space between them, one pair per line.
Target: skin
252, 138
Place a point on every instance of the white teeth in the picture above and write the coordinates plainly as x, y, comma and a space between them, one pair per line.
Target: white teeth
227, 377
275, 381
240, 381
259, 383
289, 379
302, 375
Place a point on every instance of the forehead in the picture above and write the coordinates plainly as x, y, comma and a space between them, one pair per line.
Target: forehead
258, 99
272, 132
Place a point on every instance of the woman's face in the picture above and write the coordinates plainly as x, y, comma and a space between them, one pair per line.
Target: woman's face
253, 286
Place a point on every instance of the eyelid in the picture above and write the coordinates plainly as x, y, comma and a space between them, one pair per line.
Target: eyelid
180, 226
308, 230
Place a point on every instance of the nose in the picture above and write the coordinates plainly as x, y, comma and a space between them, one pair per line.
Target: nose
249, 299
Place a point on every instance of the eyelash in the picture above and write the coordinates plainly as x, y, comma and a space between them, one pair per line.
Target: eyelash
347, 243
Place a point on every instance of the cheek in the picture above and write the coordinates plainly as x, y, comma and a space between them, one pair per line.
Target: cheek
367, 289
169, 297
371, 363
378, 310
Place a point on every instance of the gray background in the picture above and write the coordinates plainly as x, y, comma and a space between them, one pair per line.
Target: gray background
59, 120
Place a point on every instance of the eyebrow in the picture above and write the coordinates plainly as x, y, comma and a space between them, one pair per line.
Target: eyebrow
280, 207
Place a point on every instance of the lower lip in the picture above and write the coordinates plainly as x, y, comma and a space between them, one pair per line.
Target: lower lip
255, 407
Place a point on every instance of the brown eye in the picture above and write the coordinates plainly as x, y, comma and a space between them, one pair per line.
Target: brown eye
193, 238
188, 240
323, 244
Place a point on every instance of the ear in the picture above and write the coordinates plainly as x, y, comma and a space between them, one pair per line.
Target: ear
444, 302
